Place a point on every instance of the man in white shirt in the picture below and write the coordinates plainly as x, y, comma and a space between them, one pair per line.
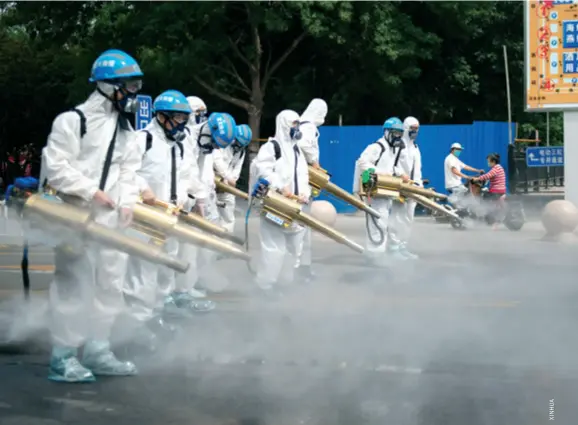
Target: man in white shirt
453, 170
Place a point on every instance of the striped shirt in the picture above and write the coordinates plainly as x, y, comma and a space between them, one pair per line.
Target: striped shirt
497, 178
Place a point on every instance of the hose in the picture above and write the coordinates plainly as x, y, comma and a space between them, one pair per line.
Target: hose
246, 245
368, 217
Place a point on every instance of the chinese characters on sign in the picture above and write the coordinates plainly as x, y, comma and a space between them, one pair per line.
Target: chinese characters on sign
551, 55
545, 157
144, 112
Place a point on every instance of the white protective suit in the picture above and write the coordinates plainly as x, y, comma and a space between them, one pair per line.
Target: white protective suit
202, 188
312, 118
87, 291
402, 213
381, 156
288, 171
148, 284
228, 165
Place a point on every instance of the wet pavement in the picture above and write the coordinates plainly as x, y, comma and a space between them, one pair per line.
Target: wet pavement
479, 331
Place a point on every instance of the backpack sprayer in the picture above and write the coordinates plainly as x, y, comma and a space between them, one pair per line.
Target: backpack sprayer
284, 212
375, 185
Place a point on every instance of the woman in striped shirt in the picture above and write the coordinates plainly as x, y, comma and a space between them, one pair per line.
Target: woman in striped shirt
496, 176
497, 192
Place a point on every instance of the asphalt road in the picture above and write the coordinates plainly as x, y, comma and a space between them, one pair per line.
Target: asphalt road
480, 330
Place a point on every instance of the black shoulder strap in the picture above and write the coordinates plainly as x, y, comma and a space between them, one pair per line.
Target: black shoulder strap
399, 149
82, 121
277, 148
381, 153
108, 159
149, 144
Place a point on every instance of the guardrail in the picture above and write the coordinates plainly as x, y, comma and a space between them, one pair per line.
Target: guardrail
524, 179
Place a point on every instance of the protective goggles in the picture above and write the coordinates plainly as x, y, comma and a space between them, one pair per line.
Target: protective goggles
178, 117
131, 86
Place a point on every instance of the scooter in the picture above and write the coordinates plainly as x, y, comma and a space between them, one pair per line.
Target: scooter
474, 205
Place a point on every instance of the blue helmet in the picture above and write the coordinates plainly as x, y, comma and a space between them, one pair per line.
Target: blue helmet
114, 64
244, 134
171, 101
394, 124
223, 128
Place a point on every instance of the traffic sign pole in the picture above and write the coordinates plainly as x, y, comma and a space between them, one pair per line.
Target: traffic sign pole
571, 156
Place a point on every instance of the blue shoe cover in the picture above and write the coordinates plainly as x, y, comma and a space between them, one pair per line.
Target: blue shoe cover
101, 361
409, 255
65, 367
396, 253
185, 301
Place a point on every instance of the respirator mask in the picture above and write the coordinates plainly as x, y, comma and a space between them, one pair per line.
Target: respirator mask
128, 89
295, 133
174, 125
394, 139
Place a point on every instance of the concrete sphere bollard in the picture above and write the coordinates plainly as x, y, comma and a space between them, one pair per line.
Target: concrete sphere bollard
324, 211
559, 219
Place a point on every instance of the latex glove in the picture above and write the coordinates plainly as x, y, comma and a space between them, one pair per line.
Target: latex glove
148, 197
125, 217
405, 178
303, 199
102, 199
287, 192
199, 208
231, 182
316, 165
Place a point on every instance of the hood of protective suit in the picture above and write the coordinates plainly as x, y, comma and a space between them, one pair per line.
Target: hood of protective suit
196, 103
408, 123
97, 104
283, 124
315, 112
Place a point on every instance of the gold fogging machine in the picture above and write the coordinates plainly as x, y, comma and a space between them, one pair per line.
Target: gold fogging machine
45, 210
381, 185
319, 179
222, 187
284, 211
163, 219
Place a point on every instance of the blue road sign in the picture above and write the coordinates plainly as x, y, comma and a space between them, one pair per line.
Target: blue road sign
545, 156
144, 113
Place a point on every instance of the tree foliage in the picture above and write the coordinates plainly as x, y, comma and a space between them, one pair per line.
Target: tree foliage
439, 61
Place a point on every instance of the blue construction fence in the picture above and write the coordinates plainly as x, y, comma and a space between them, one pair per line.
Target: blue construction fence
341, 146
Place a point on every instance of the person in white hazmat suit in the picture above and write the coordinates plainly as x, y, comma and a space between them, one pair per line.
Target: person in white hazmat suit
218, 132
228, 164
402, 213
92, 157
380, 158
312, 118
164, 175
281, 162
